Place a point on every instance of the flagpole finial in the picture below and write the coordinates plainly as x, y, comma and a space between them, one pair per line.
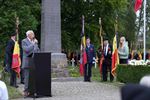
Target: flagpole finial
82, 16
17, 24
17, 27
100, 21
17, 21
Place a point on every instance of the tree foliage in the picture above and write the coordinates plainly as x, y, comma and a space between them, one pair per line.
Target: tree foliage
72, 10
28, 12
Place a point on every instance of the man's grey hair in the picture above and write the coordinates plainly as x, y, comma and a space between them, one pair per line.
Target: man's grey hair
145, 81
29, 32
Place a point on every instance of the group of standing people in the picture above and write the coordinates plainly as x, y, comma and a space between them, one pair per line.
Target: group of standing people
29, 46
123, 52
104, 53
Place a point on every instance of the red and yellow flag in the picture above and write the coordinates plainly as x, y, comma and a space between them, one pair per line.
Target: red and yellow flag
115, 58
83, 58
16, 61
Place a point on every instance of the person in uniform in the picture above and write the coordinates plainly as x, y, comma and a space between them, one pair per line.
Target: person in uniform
90, 52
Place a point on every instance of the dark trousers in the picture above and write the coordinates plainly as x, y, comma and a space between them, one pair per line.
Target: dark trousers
123, 61
13, 78
31, 83
26, 79
87, 72
105, 69
22, 75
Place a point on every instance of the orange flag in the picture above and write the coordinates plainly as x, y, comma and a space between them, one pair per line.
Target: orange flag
115, 58
16, 61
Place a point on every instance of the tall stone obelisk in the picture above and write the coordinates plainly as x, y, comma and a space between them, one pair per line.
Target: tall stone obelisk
51, 26
51, 31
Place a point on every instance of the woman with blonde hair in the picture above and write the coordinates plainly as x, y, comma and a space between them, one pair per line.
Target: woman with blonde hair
123, 51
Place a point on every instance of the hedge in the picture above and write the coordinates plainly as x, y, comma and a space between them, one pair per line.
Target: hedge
132, 73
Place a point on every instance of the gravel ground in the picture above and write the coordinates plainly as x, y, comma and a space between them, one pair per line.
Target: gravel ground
76, 89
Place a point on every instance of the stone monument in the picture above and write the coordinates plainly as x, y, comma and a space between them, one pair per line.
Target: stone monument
51, 32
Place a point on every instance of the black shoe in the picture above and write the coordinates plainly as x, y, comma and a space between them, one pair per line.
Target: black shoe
89, 80
22, 82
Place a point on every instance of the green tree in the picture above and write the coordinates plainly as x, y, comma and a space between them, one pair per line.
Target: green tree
72, 10
28, 12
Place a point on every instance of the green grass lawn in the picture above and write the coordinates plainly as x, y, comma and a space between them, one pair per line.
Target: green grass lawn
74, 72
13, 92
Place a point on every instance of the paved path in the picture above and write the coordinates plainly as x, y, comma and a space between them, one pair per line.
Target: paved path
76, 89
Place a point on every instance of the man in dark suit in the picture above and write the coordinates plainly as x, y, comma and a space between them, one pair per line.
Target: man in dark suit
90, 52
107, 53
8, 59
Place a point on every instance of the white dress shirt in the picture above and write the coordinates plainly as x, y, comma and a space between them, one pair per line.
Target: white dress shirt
106, 49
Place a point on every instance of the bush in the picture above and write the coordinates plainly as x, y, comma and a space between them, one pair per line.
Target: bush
132, 74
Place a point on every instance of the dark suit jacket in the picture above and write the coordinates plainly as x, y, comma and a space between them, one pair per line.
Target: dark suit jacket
135, 92
90, 52
8, 53
108, 57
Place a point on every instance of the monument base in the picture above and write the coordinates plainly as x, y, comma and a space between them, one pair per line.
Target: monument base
59, 65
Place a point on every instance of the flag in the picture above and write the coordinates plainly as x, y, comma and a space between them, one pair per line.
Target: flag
115, 58
140, 55
101, 63
132, 55
83, 56
101, 38
138, 4
100, 32
16, 61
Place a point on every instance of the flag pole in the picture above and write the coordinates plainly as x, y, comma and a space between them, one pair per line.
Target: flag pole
116, 29
17, 27
144, 34
100, 32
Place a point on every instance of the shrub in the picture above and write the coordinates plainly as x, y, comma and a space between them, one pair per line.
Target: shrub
131, 73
